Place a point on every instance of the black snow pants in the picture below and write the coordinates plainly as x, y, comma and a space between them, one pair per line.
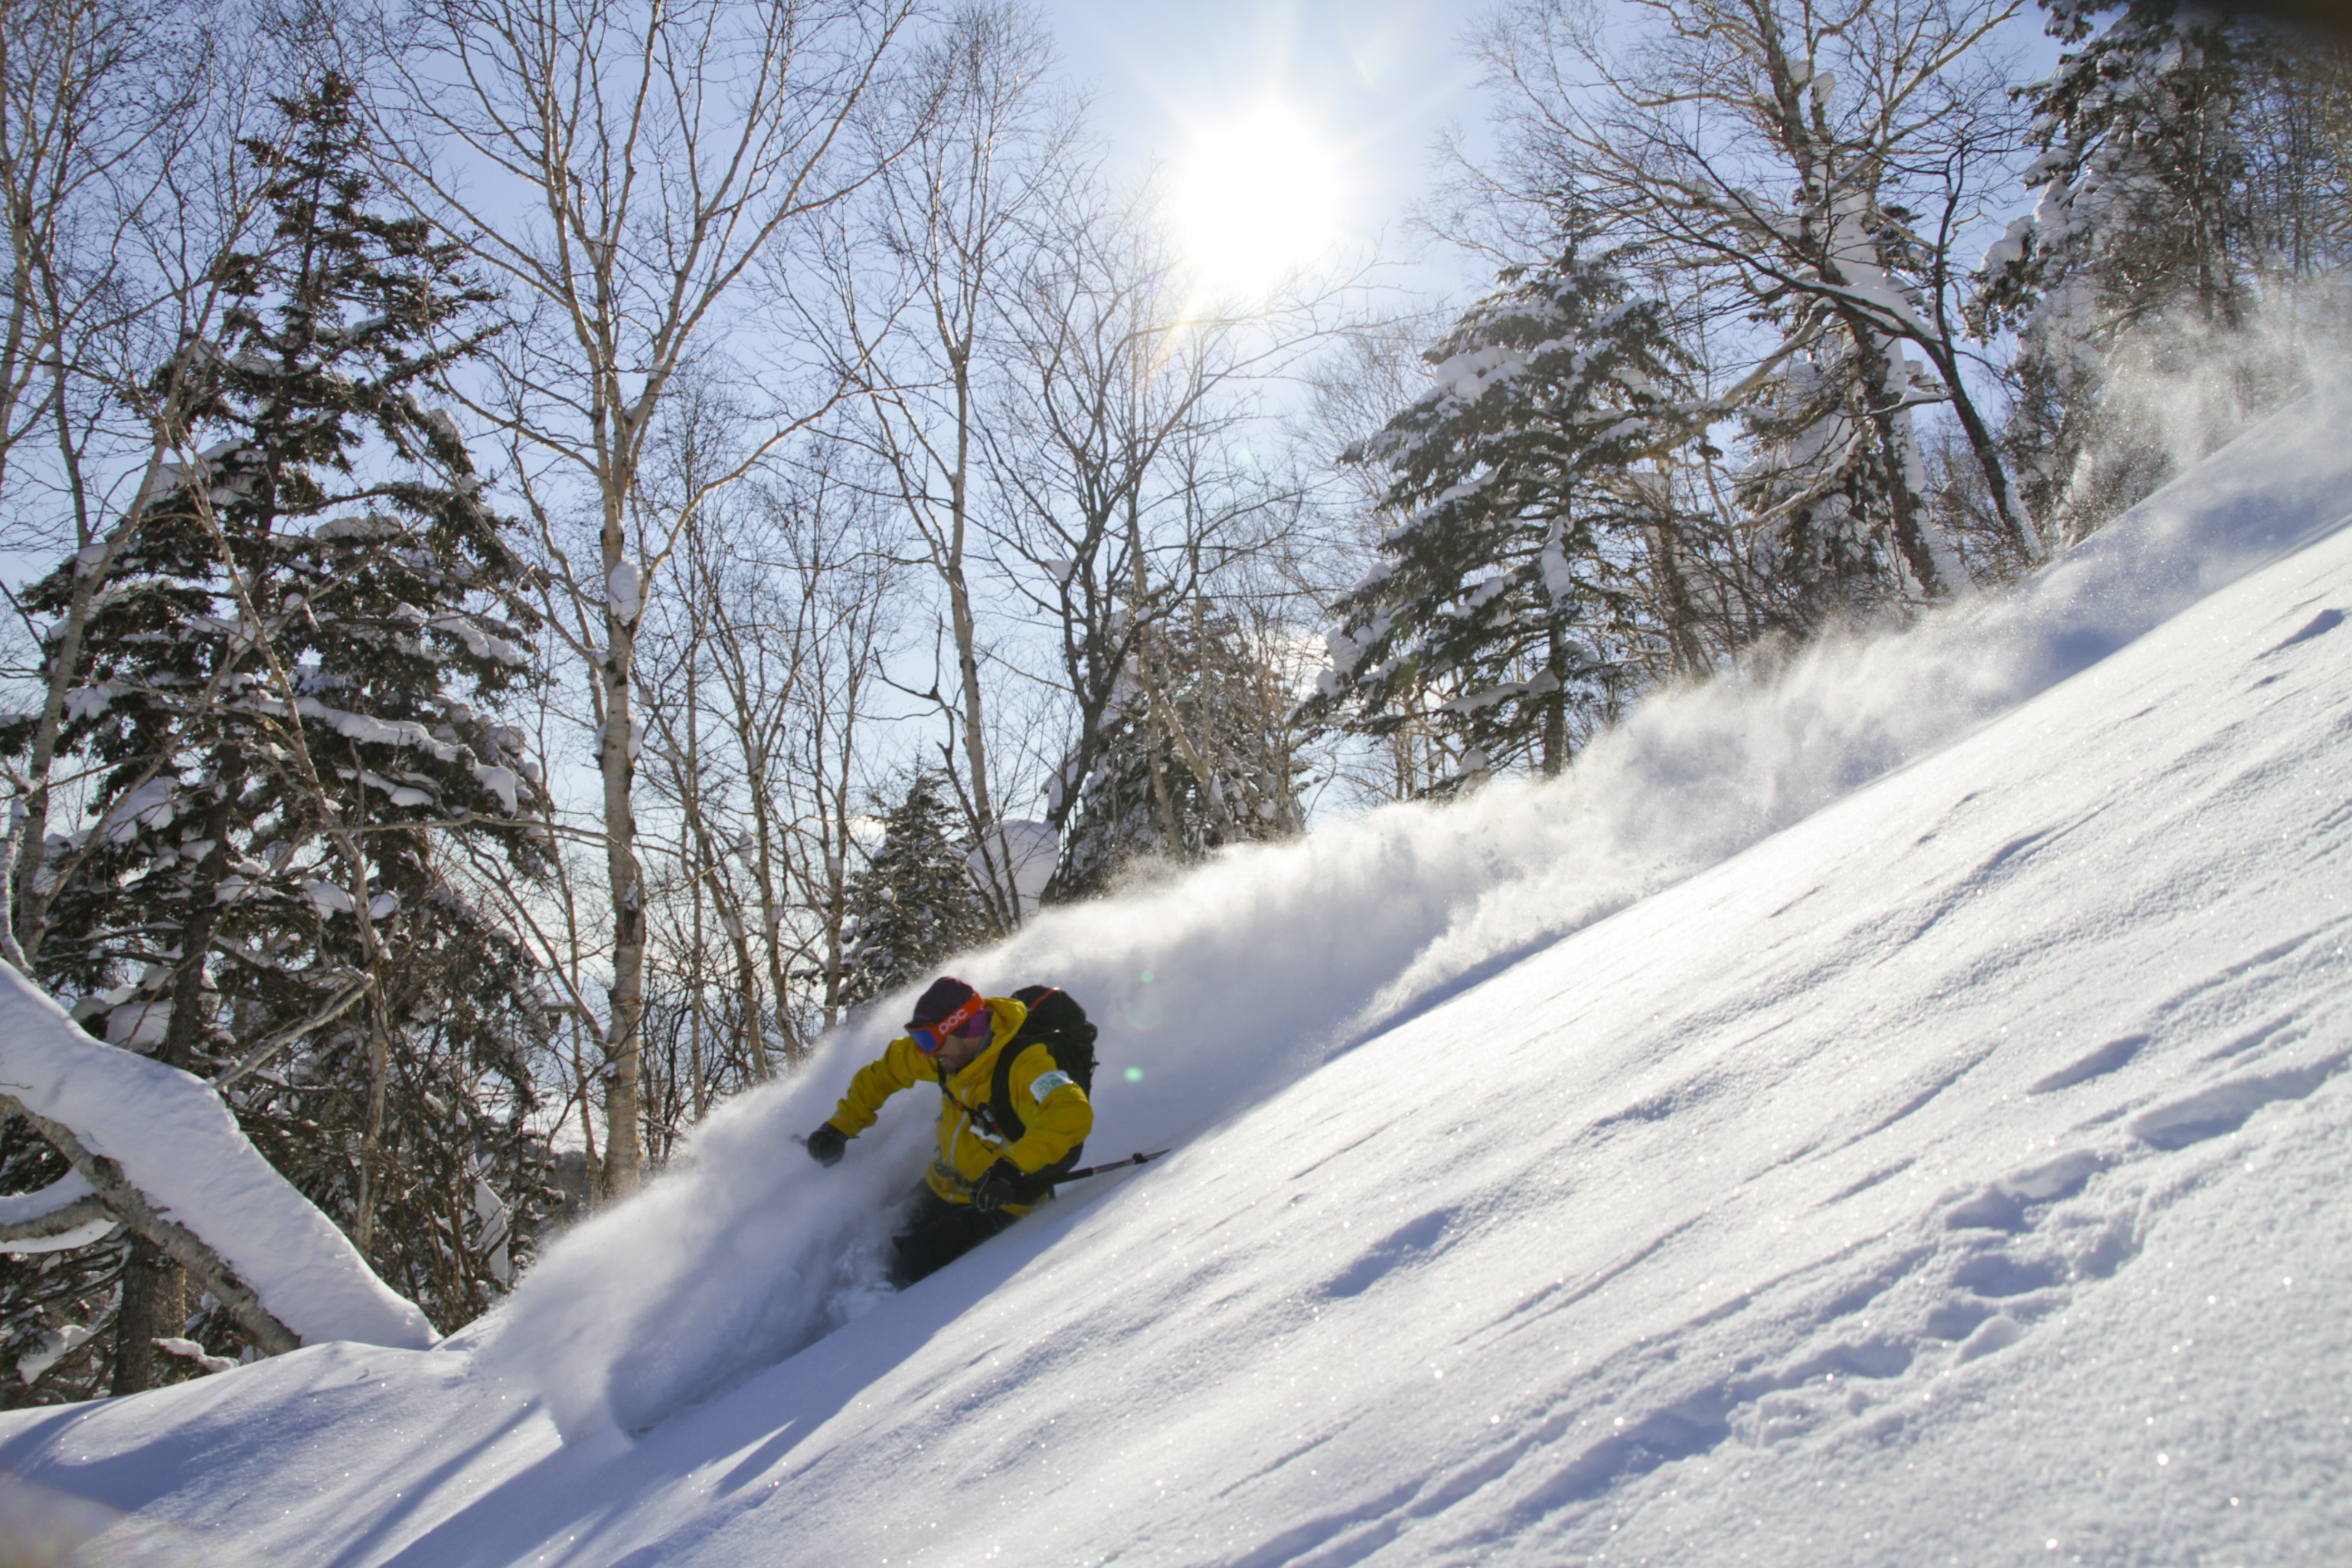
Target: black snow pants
938, 1232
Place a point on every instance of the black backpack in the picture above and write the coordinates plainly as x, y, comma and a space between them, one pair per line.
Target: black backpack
1057, 1022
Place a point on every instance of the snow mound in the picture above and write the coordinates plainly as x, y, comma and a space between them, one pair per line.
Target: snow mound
1218, 991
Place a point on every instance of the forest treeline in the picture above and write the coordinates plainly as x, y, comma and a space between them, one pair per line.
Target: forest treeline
562, 546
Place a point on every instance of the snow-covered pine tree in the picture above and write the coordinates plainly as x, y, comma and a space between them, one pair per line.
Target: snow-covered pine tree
2190, 160
1518, 600
913, 902
1195, 753
2141, 213
2143, 171
279, 720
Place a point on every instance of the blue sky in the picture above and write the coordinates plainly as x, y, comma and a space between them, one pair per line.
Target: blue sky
1372, 82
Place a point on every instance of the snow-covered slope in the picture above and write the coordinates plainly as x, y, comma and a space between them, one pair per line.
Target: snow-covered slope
1887, 1117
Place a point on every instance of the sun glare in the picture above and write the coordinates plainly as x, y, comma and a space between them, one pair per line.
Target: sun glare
1255, 201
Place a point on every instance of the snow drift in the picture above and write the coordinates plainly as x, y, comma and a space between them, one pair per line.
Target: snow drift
1215, 992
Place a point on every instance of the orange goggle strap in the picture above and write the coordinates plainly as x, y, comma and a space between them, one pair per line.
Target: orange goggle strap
951, 1025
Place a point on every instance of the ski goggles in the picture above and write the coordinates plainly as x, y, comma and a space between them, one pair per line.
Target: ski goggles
967, 1019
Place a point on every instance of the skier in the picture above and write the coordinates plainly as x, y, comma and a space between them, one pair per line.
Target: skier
985, 1177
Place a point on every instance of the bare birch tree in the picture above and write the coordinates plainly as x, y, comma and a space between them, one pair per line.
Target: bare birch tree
921, 272
1128, 483
1806, 164
662, 152
766, 668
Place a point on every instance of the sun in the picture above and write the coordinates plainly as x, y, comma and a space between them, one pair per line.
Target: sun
1255, 201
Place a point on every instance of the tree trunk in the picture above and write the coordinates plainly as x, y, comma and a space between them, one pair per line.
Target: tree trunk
153, 1307
624, 1137
771, 914
747, 990
153, 1303
1555, 701
1886, 391
379, 1059
1006, 915
2022, 534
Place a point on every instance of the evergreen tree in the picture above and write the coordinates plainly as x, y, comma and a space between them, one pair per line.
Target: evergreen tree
2141, 213
1518, 600
278, 717
2143, 172
2190, 159
1194, 755
913, 904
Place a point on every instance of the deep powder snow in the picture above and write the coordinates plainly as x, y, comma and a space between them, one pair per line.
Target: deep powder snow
1884, 1116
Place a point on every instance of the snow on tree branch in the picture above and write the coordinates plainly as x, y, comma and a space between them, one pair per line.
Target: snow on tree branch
67, 1213
162, 1150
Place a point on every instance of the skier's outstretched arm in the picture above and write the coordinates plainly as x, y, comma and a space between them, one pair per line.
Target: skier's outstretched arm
898, 1066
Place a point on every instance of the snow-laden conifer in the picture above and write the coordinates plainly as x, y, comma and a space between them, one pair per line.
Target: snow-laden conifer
913, 903
287, 716
1533, 537
1195, 752
2189, 170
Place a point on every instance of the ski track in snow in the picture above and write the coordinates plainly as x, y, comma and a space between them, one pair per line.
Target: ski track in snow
1954, 1174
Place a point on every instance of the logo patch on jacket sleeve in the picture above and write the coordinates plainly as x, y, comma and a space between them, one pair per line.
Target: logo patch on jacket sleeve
1047, 1082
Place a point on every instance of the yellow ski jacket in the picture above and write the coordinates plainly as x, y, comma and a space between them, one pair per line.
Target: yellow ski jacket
1051, 1105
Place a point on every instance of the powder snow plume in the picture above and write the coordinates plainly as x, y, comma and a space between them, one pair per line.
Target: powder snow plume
1218, 989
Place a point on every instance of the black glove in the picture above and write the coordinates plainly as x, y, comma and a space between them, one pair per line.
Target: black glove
1000, 1185
826, 1144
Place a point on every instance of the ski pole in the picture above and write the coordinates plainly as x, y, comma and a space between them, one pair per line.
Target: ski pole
1110, 1165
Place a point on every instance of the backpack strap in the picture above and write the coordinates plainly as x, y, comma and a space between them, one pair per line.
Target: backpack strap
949, 1095
1009, 1125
